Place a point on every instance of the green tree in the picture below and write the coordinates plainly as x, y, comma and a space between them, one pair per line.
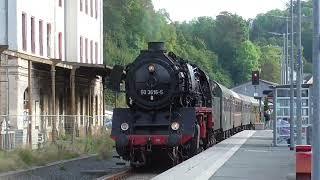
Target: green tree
247, 60
270, 63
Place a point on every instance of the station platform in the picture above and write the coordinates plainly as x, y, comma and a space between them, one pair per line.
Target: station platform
248, 155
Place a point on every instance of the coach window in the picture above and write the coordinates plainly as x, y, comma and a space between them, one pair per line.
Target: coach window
237, 107
226, 104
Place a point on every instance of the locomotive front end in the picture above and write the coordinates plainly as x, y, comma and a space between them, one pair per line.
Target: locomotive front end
151, 80
155, 122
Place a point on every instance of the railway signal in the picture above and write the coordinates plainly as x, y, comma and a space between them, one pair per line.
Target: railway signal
255, 77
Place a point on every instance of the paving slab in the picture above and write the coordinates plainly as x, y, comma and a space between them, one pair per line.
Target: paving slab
257, 159
248, 155
205, 164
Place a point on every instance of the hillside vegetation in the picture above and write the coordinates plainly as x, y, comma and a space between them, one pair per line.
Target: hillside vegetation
227, 47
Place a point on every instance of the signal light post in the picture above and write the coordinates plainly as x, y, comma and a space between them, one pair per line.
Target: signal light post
255, 81
255, 78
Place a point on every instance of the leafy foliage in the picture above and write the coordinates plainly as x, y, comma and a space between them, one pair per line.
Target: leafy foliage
226, 47
273, 21
271, 63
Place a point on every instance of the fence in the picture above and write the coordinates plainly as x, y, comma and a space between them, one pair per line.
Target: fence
36, 130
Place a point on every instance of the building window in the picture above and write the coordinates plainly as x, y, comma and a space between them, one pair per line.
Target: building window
91, 8
41, 37
81, 5
24, 31
60, 45
96, 52
81, 49
48, 40
91, 51
33, 45
86, 6
86, 49
60, 3
96, 9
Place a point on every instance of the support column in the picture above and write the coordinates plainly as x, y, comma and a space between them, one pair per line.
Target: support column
73, 100
30, 101
53, 95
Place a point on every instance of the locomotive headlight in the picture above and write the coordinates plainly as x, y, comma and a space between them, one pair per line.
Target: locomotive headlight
175, 126
124, 126
151, 68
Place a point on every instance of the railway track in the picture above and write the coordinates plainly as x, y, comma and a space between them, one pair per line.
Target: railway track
129, 174
117, 176
83, 168
139, 174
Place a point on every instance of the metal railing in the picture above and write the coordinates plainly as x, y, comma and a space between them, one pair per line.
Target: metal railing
36, 130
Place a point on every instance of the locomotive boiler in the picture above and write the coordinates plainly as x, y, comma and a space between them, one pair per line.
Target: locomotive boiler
173, 111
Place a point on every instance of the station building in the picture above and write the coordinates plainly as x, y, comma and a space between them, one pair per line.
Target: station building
249, 90
51, 69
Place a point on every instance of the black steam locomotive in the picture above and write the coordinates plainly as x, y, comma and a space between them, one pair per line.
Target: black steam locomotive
174, 110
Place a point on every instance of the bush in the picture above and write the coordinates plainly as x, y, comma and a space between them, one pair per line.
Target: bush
25, 157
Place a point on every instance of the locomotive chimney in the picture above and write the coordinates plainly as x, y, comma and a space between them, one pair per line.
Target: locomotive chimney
156, 46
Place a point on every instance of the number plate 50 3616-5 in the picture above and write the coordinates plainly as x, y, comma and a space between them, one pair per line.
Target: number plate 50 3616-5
151, 92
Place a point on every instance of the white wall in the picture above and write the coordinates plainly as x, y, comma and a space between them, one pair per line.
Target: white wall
72, 44
66, 19
39, 9
59, 27
91, 28
12, 25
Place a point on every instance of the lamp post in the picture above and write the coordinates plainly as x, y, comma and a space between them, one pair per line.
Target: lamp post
283, 63
315, 173
298, 81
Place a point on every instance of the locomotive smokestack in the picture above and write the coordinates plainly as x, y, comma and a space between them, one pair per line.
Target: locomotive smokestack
156, 46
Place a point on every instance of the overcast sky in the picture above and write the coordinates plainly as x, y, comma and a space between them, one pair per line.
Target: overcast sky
181, 10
